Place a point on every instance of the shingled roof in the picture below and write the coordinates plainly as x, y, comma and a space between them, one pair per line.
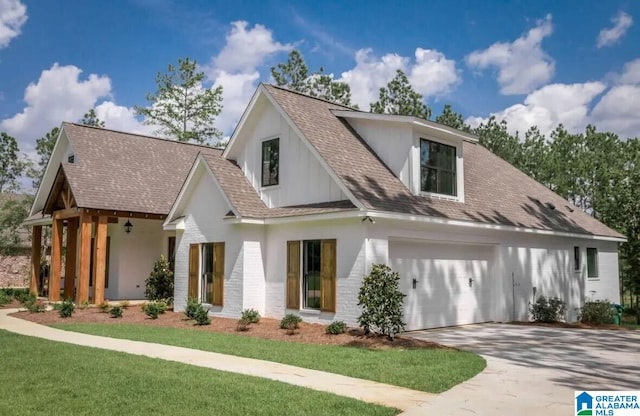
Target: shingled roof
495, 191
127, 172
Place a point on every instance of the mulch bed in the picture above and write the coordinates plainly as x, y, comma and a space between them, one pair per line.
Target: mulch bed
575, 325
13, 304
266, 328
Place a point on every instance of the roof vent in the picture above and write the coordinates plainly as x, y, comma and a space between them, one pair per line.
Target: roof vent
550, 205
71, 158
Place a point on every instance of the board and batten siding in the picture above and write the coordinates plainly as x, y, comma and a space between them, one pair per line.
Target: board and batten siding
243, 269
302, 180
350, 267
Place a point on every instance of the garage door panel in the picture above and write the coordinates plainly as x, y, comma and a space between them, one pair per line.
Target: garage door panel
443, 293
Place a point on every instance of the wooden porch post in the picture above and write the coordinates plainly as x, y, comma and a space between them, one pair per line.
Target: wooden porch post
70, 265
82, 291
36, 247
100, 259
56, 260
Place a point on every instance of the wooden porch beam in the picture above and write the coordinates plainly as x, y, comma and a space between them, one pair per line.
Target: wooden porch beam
82, 291
36, 248
71, 252
100, 260
122, 214
56, 260
63, 214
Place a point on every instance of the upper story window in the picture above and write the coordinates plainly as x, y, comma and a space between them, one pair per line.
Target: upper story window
437, 168
270, 162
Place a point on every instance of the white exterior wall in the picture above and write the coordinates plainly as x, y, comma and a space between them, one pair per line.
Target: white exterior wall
243, 269
350, 267
543, 261
132, 255
392, 142
302, 180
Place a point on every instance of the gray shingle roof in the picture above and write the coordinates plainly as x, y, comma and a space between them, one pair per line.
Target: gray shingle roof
495, 191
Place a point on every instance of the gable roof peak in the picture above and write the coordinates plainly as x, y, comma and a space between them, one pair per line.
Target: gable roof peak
346, 107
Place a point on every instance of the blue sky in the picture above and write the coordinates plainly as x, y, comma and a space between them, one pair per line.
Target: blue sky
535, 62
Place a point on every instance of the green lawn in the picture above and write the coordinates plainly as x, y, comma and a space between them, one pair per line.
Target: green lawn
40, 377
431, 370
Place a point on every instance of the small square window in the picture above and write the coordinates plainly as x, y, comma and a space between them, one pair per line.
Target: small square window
592, 262
270, 162
576, 258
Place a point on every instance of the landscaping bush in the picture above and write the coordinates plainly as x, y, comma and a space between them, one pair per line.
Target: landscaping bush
154, 309
116, 312
290, 321
104, 307
202, 316
251, 315
37, 306
336, 327
83, 305
159, 284
192, 308
243, 324
4, 298
381, 302
597, 312
24, 297
124, 304
547, 309
56, 306
66, 308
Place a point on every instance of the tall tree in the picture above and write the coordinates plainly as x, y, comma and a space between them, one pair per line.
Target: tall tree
494, 136
91, 119
182, 107
13, 210
294, 75
534, 156
11, 166
44, 148
399, 97
450, 118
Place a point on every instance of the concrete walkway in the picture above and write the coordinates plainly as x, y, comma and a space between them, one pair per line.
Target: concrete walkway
367, 391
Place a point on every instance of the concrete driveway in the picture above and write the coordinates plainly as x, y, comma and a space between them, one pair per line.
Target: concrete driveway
532, 369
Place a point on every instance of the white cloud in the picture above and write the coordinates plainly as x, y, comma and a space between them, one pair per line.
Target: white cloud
370, 74
58, 95
431, 74
235, 68
631, 73
13, 14
618, 111
621, 23
549, 106
522, 64
121, 118
246, 49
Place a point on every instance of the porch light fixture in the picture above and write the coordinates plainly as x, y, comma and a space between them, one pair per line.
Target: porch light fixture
128, 227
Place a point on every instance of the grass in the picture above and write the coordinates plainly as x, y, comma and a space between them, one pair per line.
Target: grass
41, 377
430, 370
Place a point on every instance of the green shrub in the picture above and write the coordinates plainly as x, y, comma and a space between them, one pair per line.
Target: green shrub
251, 315
381, 302
159, 284
154, 309
104, 307
4, 298
597, 312
116, 312
243, 324
290, 321
56, 306
547, 309
83, 305
16, 293
192, 308
66, 308
336, 327
124, 304
36, 306
24, 297
202, 316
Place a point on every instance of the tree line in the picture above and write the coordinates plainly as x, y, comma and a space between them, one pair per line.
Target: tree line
596, 171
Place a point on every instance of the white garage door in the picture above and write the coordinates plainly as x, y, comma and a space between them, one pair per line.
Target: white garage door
453, 282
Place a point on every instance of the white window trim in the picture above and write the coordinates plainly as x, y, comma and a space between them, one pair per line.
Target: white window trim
416, 165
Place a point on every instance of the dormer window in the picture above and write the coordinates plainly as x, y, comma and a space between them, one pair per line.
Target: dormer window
270, 162
437, 168
71, 158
